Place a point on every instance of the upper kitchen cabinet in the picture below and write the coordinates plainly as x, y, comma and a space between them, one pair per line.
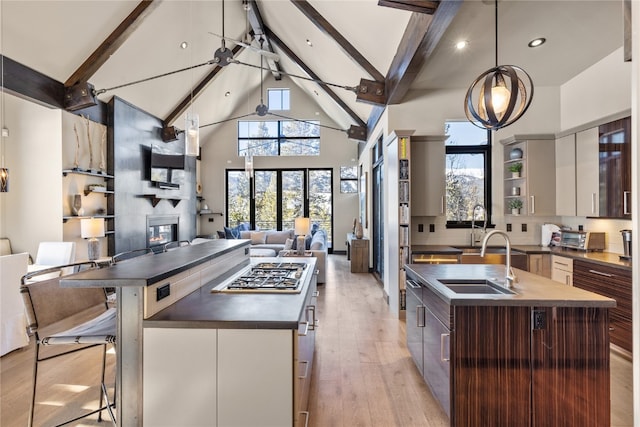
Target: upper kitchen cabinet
603, 170
566, 175
614, 154
428, 175
529, 175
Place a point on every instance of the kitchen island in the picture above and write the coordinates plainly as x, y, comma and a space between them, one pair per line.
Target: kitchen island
192, 357
537, 354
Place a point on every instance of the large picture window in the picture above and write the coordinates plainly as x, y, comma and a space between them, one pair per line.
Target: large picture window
279, 138
468, 171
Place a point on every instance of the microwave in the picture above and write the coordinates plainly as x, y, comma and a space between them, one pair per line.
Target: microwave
582, 240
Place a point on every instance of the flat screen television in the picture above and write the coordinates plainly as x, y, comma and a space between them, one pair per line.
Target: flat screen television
167, 168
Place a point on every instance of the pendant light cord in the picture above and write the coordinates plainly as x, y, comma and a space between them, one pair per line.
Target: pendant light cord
496, 25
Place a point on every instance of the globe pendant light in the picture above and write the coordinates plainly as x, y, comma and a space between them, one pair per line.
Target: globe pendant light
499, 96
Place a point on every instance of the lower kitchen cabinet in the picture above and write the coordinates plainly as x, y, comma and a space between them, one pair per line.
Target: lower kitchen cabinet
614, 283
539, 264
562, 269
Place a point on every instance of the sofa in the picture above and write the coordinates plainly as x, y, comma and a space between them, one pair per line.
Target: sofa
276, 240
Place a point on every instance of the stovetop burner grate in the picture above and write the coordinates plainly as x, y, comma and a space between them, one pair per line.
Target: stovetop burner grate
270, 276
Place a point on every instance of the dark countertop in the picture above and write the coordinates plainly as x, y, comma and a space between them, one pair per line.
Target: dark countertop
530, 290
604, 258
234, 310
149, 269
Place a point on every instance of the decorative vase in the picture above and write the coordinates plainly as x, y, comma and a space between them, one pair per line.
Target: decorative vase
515, 211
515, 191
516, 153
515, 174
77, 205
359, 232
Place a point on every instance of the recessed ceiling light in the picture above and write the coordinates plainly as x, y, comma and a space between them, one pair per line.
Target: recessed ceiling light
184, 45
462, 44
227, 93
316, 92
537, 42
309, 43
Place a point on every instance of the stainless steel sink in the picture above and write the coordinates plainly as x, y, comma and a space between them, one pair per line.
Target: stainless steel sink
474, 286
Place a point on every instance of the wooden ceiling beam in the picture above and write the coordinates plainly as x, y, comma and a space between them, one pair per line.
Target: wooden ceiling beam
283, 47
418, 6
325, 26
422, 35
198, 89
257, 25
111, 44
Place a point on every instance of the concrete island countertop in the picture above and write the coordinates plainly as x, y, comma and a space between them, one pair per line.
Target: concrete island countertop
237, 310
530, 290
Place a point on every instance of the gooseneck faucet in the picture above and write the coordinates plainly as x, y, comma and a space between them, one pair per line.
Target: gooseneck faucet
473, 223
510, 276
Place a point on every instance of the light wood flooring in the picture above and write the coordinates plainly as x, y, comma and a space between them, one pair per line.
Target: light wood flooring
363, 373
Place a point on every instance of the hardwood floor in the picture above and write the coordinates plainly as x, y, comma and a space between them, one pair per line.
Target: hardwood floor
363, 373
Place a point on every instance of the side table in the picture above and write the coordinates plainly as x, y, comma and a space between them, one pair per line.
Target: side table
358, 253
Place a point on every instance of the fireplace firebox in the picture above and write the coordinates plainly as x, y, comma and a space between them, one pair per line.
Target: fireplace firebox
161, 230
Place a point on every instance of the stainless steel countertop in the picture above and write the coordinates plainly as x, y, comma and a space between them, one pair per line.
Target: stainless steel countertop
530, 290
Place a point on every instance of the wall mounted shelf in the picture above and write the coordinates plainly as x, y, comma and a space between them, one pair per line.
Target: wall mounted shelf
85, 172
209, 213
74, 217
155, 199
105, 192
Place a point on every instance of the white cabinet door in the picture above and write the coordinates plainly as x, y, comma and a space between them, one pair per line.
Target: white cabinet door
255, 377
566, 175
540, 177
427, 176
562, 269
179, 391
587, 173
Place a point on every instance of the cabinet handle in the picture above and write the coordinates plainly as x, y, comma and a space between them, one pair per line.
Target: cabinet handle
316, 294
420, 315
593, 203
566, 279
306, 329
442, 355
306, 417
600, 273
533, 204
442, 205
625, 202
538, 265
561, 263
314, 321
306, 369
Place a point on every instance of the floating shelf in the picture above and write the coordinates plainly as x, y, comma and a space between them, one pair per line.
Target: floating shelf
155, 199
73, 217
203, 212
105, 192
85, 172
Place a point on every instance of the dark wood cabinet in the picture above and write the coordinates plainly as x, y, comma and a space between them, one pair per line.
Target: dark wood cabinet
614, 149
614, 283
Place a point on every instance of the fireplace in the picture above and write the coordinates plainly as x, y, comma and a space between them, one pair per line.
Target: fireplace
161, 230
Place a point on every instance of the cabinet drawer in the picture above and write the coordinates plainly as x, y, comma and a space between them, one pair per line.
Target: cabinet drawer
562, 263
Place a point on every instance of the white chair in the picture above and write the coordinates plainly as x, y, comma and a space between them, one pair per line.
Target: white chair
13, 322
56, 253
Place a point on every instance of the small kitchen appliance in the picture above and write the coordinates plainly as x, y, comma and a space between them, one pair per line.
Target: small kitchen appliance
582, 240
547, 233
626, 244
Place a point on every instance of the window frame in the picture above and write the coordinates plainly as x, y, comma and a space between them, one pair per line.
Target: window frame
354, 179
485, 149
281, 90
280, 139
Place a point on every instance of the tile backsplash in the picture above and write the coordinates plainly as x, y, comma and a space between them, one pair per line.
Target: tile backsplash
525, 230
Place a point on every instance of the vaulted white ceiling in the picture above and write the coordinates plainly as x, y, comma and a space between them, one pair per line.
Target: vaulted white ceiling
55, 37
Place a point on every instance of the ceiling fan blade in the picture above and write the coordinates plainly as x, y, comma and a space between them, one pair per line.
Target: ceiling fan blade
269, 55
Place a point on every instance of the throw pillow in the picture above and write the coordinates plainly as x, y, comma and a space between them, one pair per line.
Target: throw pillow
314, 227
228, 233
258, 237
307, 241
288, 245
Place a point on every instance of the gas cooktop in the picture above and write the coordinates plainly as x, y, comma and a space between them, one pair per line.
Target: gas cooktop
277, 277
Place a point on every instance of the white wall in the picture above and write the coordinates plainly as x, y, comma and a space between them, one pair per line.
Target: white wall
31, 211
219, 152
599, 91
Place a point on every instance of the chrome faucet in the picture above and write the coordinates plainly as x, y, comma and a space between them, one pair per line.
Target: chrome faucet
473, 223
510, 276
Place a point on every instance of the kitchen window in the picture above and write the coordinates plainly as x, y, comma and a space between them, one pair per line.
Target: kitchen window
468, 173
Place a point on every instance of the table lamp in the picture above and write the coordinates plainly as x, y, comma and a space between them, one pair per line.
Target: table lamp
302, 226
91, 228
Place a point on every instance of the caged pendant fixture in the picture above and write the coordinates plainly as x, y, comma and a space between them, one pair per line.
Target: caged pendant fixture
499, 96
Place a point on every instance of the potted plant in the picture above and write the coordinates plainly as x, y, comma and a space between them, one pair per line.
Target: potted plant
515, 205
515, 169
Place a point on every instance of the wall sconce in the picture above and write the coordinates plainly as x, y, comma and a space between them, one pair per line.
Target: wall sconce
302, 226
191, 135
4, 180
92, 228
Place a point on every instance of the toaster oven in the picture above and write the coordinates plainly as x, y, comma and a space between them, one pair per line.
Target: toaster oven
582, 240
